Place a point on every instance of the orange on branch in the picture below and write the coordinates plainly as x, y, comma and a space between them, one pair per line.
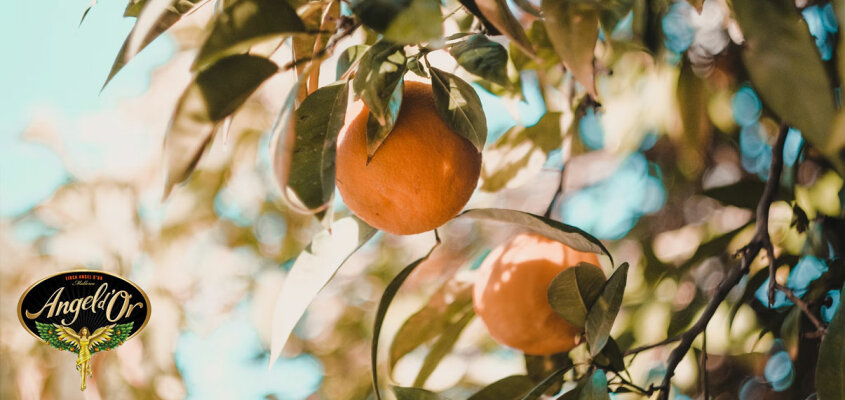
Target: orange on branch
420, 177
510, 294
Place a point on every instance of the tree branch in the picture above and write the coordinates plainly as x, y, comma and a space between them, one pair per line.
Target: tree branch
759, 242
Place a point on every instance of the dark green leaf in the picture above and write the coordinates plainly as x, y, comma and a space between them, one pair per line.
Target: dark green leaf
603, 312
550, 380
612, 12
213, 95
417, 67
611, 357
482, 57
378, 81
567, 234
459, 106
499, 14
573, 29
318, 121
511, 387
170, 16
442, 347
349, 57
444, 308
412, 393
595, 387
313, 268
402, 21
574, 290
787, 70
245, 23
384, 303
830, 375
743, 194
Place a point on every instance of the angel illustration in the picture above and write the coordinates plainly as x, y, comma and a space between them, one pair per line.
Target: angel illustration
84, 343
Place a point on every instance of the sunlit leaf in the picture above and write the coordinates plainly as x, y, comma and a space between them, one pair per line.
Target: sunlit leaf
830, 376
567, 234
445, 307
245, 23
483, 57
318, 121
603, 312
401, 21
499, 14
574, 290
503, 164
442, 346
787, 70
511, 387
378, 81
459, 106
314, 267
213, 95
573, 30
412, 393
349, 57
169, 13
384, 303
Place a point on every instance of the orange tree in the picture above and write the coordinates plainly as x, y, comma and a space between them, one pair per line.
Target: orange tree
732, 109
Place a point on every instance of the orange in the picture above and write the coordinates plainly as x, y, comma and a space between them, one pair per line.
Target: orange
510, 294
421, 176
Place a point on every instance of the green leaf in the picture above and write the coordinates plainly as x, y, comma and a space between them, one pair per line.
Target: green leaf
567, 234
378, 81
318, 121
499, 14
483, 57
546, 56
384, 303
742, 194
550, 380
213, 95
459, 106
574, 290
415, 66
830, 376
349, 57
148, 32
502, 166
313, 268
442, 347
603, 312
612, 12
87, 10
787, 70
402, 21
444, 308
511, 387
573, 29
610, 357
595, 387
245, 23
412, 393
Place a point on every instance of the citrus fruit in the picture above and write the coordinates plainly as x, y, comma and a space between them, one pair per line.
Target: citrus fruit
510, 294
421, 176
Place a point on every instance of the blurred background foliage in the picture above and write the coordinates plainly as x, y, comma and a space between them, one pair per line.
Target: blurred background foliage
667, 170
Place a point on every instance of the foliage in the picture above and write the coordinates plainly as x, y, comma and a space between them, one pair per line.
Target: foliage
704, 139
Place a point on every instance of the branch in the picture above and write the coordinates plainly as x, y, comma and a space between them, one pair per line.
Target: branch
820, 329
759, 242
651, 346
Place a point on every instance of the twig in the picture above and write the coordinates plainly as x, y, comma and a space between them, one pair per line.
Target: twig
748, 254
790, 294
651, 346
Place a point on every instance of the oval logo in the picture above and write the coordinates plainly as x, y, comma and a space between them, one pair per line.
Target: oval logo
84, 312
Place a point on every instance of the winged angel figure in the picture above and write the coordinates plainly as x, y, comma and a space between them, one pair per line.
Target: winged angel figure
84, 343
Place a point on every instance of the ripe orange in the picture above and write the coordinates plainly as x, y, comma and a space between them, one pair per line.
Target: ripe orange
510, 294
422, 175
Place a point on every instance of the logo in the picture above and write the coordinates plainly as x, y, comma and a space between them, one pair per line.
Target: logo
85, 312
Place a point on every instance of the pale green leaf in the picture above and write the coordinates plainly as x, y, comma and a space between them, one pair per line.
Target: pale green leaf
573, 29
